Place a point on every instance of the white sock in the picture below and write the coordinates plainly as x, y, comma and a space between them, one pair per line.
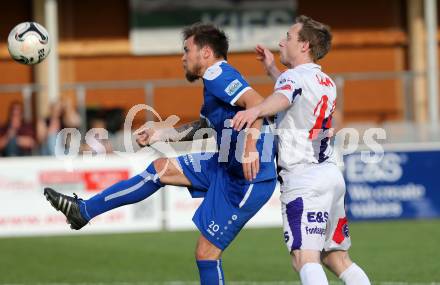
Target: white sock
313, 274
354, 275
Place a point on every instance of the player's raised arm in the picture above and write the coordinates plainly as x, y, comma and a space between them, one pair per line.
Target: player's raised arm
152, 132
190, 130
267, 59
273, 104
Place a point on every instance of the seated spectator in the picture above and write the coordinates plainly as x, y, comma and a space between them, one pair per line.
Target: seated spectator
17, 137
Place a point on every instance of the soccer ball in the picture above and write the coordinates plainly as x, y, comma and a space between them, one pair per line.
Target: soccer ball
28, 43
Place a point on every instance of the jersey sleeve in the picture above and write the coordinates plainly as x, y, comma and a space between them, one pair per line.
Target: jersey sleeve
225, 83
288, 84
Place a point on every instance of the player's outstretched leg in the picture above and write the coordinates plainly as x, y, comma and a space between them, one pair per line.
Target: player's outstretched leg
69, 206
349, 272
78, 211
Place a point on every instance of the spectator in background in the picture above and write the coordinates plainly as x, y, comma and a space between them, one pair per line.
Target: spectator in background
99, 143
17, 137
62, 115
115, 120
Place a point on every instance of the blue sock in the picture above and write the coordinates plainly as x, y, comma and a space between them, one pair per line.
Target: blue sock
211, 272
122, 193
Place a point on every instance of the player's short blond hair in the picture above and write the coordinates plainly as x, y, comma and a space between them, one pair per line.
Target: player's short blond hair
317, 34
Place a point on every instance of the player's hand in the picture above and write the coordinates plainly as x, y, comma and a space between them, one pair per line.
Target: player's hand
251, 158
266, 57
245, 118
152, 132
142, 138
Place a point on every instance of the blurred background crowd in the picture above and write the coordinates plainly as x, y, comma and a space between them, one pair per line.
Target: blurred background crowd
20, 137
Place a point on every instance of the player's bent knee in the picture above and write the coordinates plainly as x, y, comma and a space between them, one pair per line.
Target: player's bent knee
160, 165
170, 173
337, 261
165, 168
301, 257
296, 264
206, 250
334, 257
202, 254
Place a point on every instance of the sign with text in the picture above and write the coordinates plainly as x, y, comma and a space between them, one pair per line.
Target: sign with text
156, 25
25, 211
402, 185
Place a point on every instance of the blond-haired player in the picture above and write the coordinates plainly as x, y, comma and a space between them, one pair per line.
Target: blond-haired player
313, 188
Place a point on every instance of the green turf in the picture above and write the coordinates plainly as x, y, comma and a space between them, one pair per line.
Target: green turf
388, 251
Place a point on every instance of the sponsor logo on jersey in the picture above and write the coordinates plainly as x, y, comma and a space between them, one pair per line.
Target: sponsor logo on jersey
315, 231
285, 80
233, 87
341, 231
317, 217
286, 87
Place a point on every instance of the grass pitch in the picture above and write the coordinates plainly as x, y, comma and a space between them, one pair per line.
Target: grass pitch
390, 252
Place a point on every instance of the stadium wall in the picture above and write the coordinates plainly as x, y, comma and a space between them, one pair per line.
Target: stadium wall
95, 47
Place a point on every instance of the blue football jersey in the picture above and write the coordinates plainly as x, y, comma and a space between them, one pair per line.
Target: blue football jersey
223, 86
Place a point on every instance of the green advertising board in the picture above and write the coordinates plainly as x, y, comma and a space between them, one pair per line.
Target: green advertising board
156, 24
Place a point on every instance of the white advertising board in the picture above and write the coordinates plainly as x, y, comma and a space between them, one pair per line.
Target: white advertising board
25, 211
180, 208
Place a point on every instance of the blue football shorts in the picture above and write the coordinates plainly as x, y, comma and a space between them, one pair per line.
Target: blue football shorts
229, 203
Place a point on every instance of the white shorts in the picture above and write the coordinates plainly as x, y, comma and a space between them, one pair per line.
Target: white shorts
313, 208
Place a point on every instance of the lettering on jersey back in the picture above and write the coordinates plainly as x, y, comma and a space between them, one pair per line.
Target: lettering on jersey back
325, 81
